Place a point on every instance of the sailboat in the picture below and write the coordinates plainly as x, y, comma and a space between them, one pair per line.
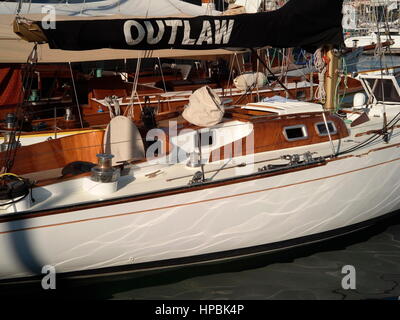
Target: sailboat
213, 183
371, 24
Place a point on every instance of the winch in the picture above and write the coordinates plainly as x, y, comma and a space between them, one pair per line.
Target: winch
104, 172
9, 136
104, 178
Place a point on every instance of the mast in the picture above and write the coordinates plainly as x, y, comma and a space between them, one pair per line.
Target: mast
331, 78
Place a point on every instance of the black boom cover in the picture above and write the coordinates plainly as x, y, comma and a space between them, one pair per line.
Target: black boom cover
300, 23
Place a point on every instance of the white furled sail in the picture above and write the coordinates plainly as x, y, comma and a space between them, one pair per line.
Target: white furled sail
250, 79
136, 8
250, 6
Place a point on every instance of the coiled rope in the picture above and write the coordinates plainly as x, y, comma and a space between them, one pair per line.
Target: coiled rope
321, 66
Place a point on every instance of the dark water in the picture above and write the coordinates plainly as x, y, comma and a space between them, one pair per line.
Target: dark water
312, 272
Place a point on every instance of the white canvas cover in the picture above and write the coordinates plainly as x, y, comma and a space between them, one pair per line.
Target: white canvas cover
122, 139
204, 108
250, 79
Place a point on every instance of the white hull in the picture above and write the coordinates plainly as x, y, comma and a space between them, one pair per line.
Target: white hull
372, 39
241, 215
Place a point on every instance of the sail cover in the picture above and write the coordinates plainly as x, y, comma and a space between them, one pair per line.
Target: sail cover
300, 23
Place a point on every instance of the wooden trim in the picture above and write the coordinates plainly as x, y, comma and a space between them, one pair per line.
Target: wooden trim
360, 134
262, 106
57, 153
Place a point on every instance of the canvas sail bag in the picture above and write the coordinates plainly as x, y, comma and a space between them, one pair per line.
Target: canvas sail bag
204, 108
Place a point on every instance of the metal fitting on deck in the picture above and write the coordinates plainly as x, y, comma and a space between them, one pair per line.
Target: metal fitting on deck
9, 142
10, 121
194, 160
9, 136
104, 172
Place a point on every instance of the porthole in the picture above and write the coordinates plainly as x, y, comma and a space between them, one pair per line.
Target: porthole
320, 127
293, 133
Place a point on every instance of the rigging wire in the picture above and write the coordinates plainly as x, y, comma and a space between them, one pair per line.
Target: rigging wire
134, 92
232, 62
76, 95
163, 81
15, 135
388, 127
329, 133
19, 7
273, 75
